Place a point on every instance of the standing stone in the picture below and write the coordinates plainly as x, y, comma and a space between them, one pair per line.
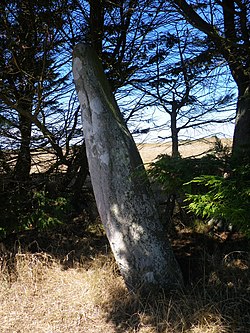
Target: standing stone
122, 191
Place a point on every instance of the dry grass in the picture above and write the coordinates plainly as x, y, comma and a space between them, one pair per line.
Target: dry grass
43, 160
38, 295
149, 151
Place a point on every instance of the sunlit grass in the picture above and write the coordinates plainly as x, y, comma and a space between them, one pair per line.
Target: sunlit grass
41, 297
38, 295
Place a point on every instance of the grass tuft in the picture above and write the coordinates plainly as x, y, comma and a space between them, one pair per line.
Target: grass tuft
37, 294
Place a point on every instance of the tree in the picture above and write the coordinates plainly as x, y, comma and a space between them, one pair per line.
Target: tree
34, 80
29, 43
226, 24
121, 33
122, 192
183, 83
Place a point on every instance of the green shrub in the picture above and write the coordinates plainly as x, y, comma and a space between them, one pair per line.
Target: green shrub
24, 207
172, 173
46, 211
204, 185
222, 198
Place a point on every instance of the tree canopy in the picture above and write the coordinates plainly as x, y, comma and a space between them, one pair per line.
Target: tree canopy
152, 57
226, 25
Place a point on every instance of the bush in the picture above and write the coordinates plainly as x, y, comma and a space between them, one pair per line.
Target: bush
172, 173
209, 187
222, 198
25, 207
46, 211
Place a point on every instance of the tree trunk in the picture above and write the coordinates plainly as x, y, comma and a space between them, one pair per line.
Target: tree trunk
241, 138
23, 164
174, 131
96, 25
123, 195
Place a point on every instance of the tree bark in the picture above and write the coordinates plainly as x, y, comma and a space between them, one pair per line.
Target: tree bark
23, 164
241, 138
123, 195
174, 131
96, 25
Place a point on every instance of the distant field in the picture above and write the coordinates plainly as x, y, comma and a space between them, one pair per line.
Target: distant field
149, 151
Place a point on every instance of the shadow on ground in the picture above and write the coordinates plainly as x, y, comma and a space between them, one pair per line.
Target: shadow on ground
215, 297
71, 243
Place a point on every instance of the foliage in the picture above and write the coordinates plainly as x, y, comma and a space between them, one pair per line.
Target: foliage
26, 208
206, 185
229, 33
47, 211
33, 80
222, 198
173, 172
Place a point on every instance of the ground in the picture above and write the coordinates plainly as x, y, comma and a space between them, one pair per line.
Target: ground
66, 280
41, 161
149, 151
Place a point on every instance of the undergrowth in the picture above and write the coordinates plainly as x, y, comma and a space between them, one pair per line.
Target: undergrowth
212, 188
37, 294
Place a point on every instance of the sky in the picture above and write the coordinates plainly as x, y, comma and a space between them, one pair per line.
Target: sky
220, 130
158, 128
